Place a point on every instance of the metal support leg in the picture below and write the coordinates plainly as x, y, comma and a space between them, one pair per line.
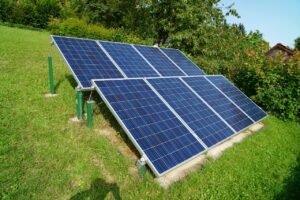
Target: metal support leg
51, 81
79, 104
89, 106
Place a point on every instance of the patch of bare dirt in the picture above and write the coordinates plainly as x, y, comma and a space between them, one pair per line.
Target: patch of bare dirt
122, 146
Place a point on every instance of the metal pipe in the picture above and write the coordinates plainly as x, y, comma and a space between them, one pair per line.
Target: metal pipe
51, 80
89, 106
79, 104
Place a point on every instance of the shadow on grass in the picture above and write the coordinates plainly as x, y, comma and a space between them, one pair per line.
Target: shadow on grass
98, 190
291, 190
71, 80
58, 84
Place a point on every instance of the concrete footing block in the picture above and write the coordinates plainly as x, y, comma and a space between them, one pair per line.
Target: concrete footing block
75, 120
256, 127
216, 152
179, 173
240, 137
50, 95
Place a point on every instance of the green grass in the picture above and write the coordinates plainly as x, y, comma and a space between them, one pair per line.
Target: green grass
43, 156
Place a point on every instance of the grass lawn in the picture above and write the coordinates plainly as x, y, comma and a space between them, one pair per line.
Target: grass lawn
44, 156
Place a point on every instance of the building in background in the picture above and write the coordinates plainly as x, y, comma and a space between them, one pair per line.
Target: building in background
279, 50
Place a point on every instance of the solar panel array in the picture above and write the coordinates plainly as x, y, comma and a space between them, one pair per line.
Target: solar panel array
91, 59
168, 107
86, 60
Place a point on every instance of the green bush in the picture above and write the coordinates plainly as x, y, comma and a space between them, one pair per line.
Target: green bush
80, 28
6, 9
35, 13
278, 89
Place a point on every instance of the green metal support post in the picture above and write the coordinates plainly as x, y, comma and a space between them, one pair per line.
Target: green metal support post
89, 106
141, 165
51, 75
79, 104
142, 170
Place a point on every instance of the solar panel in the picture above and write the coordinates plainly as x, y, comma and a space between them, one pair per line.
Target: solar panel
183, 62
129, 60
159, 61
169, 119
231, 114
152, 127
239, 98
202, 120
86, 60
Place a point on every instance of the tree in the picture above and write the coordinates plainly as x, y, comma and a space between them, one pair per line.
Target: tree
189, 24
297, 43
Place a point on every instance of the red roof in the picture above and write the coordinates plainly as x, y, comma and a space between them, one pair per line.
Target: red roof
280, 47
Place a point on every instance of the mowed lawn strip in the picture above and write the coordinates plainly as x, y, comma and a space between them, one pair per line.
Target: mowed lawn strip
45, 156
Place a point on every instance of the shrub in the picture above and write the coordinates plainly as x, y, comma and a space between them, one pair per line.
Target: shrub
278, 89
45, 10
29, 12
80, 28
6, 8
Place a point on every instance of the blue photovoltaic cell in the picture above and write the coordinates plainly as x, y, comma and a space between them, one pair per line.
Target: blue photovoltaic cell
226, 109
200, 118
86, 59
239, 98
157, 59
161, 136
132, 64
183, 62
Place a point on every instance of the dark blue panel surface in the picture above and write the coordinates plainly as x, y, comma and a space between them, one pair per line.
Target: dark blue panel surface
162, 137
183, 62
159, 61
239, 98
203, 121
86, 59
132, 64
226, 109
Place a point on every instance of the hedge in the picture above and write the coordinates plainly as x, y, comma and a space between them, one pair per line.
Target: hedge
80, 28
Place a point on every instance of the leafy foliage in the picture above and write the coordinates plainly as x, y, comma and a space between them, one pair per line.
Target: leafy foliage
278, 89
29, 12
79, 28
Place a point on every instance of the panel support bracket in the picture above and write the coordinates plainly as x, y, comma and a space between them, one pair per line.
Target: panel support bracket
89, 106
79, 103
